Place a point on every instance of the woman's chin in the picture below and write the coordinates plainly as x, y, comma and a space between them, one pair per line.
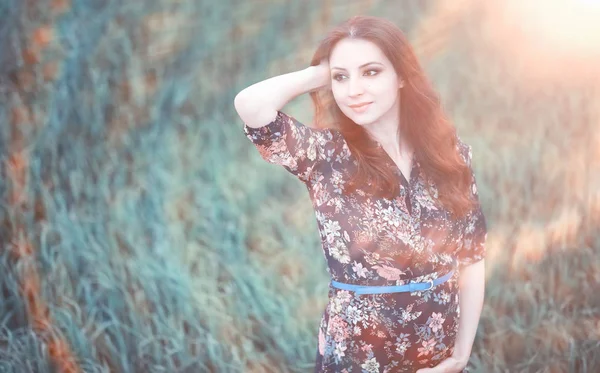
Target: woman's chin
361, 120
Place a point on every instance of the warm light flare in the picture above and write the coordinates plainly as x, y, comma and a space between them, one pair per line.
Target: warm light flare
546, 41
540, 42
560, 25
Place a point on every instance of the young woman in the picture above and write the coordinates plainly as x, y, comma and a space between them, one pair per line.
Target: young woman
395, 199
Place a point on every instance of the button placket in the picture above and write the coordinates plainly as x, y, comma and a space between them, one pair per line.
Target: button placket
415, 213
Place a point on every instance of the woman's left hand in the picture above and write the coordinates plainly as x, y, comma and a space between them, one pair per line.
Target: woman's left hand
450, 365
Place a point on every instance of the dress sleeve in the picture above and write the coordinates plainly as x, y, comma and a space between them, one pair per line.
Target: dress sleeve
471, 247
288, 143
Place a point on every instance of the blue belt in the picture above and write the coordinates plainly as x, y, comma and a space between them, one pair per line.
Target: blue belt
419, 286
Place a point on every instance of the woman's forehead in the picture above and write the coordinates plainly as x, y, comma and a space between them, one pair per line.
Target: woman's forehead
351, 54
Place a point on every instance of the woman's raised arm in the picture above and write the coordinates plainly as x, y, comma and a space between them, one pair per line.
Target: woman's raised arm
280, 138
257, 104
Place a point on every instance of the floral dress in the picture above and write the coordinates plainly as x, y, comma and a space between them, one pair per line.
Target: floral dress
377, 241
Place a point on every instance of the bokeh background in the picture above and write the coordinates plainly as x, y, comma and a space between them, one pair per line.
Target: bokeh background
142, 232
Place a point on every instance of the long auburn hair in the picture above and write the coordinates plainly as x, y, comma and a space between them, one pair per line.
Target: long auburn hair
422, 121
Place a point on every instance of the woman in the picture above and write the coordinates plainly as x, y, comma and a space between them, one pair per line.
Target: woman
395, 199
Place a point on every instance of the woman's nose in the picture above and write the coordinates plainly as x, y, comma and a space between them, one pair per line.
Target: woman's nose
355, 87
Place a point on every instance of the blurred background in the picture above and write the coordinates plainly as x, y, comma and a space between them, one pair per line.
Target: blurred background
142, 232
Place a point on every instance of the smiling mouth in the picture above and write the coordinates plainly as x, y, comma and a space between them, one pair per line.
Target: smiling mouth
360, 105
361, 109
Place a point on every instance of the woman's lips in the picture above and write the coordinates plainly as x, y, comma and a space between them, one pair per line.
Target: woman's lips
361, 109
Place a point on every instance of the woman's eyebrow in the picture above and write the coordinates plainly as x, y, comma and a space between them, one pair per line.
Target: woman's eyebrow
363, 65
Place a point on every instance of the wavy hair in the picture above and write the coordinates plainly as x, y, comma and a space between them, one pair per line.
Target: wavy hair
422, 121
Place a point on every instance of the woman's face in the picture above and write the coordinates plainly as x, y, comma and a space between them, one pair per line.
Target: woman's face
352, 83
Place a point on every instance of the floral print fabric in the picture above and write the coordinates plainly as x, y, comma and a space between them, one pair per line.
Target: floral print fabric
377, 241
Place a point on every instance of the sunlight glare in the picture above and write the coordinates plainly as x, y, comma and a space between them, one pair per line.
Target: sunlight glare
562, 25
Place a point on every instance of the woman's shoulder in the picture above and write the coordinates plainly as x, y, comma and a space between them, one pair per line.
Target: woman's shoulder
464, 149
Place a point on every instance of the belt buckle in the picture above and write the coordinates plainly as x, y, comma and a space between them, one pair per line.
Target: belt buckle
430, 286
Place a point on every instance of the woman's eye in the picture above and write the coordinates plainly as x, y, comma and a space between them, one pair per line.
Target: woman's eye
335, 77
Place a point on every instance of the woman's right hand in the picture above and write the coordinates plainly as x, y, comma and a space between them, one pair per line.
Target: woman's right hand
321, 75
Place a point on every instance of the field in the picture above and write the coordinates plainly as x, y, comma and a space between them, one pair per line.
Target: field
142, 232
